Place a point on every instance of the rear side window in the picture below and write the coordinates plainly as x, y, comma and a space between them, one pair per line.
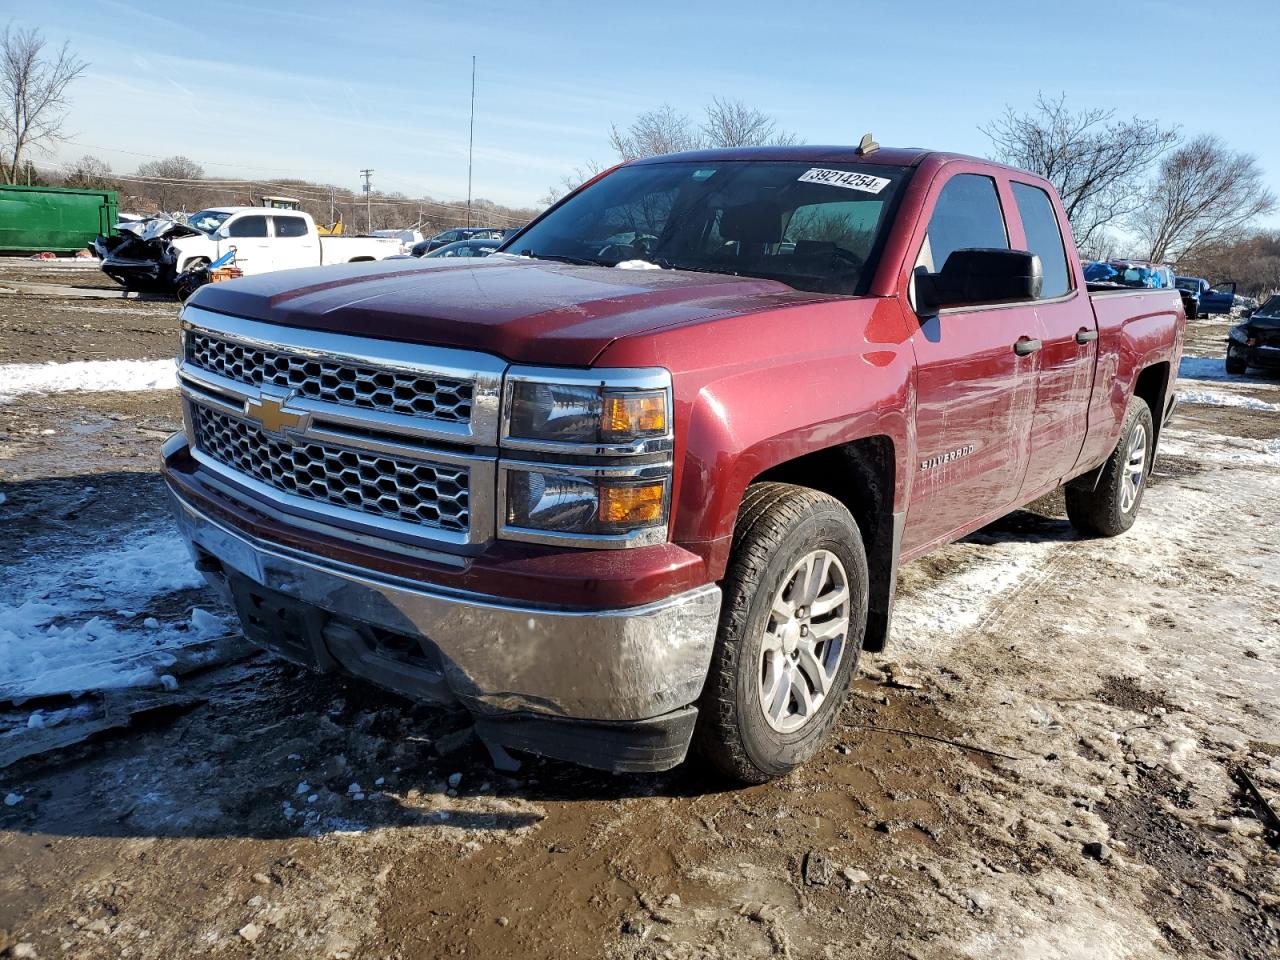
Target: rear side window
1040, 223
967, 215
291, 227
248, 227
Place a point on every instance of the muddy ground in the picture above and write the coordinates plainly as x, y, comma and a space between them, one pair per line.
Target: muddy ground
1047, 763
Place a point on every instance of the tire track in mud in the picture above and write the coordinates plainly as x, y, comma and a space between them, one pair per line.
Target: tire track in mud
1034, 669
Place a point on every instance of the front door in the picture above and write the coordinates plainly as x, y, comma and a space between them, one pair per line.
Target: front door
975, 380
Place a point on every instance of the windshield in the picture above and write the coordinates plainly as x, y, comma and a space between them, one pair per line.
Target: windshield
816, 228
207, 221
1127, 274
1271, 307
1190, 284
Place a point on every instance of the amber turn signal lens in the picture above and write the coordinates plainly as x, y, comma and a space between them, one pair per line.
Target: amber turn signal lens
635, 414
632, 504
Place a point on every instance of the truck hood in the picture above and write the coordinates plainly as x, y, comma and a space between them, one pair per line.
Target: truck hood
153, 228
527, 311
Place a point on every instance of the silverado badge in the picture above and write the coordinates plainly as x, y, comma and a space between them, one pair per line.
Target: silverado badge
947, 457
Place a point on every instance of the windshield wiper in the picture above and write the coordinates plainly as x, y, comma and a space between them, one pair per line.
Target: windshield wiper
561, 258
697, 268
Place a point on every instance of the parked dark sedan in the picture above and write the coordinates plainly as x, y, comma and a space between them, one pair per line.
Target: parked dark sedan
423, 247
1256, 341
465, 248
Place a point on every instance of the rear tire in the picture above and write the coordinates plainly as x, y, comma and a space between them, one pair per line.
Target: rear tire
1236, 365
1111, 507
791, 631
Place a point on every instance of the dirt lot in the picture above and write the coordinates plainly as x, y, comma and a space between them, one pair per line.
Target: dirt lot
1046, 765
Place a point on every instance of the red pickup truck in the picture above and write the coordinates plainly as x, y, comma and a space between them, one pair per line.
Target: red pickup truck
644, 478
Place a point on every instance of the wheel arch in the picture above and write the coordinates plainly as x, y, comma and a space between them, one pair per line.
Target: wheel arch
1152, 387
861, 474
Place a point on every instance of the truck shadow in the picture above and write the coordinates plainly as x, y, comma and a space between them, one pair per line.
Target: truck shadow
270, 751
1043, 521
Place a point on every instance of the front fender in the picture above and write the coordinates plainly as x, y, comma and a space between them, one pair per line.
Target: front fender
756, 391
186, 249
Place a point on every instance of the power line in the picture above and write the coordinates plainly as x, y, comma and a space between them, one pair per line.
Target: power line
302, 191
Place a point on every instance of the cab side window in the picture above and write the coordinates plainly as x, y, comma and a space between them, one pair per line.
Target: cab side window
290, 227
254, 226
967, 215
1044, 239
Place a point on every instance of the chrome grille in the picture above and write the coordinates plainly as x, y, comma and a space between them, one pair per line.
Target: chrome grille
333, 380
414, 491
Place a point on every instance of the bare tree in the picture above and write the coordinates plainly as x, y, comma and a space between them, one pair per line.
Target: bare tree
33, 97
1204, 195
1097, 163
662, 130
731, 123
1251, 260
169, 183
90, 173
570, 182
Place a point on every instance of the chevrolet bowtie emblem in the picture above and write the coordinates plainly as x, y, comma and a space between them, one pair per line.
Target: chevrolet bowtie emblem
270, 412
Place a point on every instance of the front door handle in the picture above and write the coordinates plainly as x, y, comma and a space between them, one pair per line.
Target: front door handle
1025, 345
1085, 335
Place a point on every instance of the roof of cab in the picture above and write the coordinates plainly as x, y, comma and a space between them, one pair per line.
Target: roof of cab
806, 153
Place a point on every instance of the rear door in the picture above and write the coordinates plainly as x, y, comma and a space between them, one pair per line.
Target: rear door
248, 235
975, 373
1069, 332
294, 244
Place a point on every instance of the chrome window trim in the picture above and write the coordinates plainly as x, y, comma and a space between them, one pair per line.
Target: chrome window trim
613, 378
484, 371
640, 537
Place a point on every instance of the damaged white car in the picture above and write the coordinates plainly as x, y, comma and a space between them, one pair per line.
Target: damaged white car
151, 254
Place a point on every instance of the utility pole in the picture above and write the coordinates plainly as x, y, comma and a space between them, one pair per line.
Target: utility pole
471, 143
368, 199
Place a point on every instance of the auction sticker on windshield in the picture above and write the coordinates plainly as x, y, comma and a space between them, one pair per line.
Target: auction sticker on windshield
844, 178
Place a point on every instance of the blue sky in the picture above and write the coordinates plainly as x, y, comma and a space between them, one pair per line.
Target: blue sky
322, 89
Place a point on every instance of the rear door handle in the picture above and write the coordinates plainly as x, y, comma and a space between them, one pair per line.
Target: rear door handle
1025, 345
1085, 335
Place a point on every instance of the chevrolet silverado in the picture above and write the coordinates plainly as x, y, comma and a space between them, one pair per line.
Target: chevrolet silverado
643, 479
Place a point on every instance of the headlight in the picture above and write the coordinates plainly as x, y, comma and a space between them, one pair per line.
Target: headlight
630, 412
585, 502
593, 465
1239, 334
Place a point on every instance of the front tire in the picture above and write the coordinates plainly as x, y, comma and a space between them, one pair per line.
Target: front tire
791, 631
1236, 365
1110, 508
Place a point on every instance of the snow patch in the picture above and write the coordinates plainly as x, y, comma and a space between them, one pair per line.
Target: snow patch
57, 634
1216, 398
17, 379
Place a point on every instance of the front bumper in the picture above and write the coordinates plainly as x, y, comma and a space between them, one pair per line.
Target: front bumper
1260, 355
610, 688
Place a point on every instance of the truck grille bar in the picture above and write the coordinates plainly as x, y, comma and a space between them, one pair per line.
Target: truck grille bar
412, 491
332, 380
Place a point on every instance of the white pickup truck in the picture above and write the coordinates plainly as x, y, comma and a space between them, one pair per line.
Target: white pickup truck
151, 254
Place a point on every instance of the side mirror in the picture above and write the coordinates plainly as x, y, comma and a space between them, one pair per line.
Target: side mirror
223, 233
973, 277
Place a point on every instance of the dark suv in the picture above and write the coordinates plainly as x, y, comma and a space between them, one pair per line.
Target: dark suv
423, 247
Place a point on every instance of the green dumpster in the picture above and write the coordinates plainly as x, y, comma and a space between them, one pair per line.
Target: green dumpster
53, 219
